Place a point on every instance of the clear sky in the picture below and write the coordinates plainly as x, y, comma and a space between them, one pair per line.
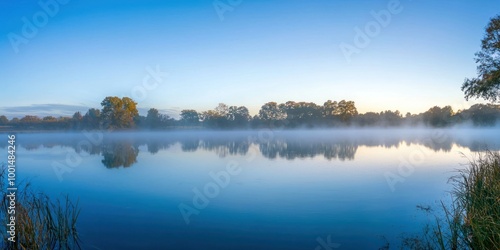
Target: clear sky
262, 50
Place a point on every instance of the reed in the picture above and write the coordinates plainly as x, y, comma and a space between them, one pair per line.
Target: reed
41, 223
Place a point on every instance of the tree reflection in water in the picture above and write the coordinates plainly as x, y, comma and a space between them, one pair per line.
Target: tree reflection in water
120, 149
294, 149
118, 154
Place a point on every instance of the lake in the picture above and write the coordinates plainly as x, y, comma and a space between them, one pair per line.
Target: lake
263, 189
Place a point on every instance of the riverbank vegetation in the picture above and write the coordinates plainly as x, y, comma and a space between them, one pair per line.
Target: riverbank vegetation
472, 221
40, 222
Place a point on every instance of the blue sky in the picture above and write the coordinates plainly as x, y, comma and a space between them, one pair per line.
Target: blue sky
261, 51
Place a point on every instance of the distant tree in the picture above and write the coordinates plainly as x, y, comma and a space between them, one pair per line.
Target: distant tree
30, 119
167, 121
189, 117
14, 120
49, 119
330, 109
368, 119
222, 110
346, 110
118, 113
391, 118
211, 118
271, 111
302, 113
438, 117
30, 122
4, 120
91, 119
50, 122
217, 118
76, 120
153, 118
487, 84
64, 122
77, 116
481, 114
238, 116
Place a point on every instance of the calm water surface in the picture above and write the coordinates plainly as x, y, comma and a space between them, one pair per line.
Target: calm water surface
348, 189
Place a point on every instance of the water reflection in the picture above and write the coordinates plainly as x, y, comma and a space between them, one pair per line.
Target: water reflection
291, 149
122, 149
119, 153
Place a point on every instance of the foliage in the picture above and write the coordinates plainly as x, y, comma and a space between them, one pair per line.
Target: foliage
190, 117
3, 120
438, 117
155, 120
118, 113
481, 115
487, 84
91, 119
346, 110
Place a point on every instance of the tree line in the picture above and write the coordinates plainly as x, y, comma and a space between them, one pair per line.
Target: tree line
122, 114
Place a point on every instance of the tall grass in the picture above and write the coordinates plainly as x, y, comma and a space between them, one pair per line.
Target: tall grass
472, 220
477, 193
41, 223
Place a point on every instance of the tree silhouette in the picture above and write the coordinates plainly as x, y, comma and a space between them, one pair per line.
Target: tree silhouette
487, 84
271, 111
439, 117
4, 120
190, 117
346, 110
91, 119
153, 118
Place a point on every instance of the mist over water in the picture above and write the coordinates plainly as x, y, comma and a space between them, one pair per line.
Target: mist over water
339, 144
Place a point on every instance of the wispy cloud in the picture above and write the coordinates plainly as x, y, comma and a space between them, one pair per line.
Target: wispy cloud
57, 110
172, 112
42, 110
